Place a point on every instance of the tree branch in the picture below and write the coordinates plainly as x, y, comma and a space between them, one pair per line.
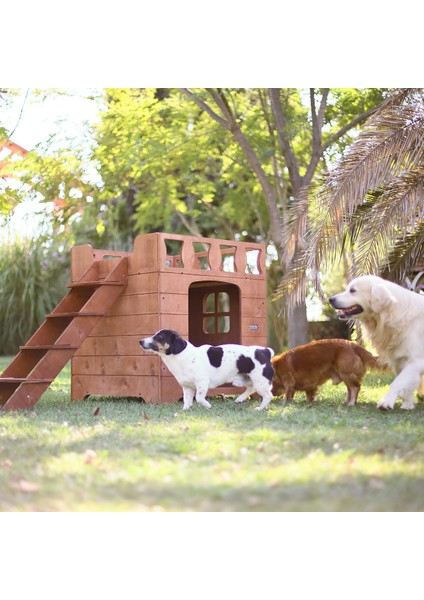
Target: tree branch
191, 228
322, 107
231, 124
356, 121
204, 106
222, 103
280, 123
317, 124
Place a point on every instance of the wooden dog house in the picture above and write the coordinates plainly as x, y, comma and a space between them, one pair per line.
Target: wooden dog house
211, 291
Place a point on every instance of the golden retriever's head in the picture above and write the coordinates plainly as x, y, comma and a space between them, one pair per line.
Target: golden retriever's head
364, 297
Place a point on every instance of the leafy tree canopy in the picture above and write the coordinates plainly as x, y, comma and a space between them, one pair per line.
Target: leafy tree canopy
165, 166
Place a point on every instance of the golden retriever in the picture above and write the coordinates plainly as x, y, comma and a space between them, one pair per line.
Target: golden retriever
305, 368
393, 319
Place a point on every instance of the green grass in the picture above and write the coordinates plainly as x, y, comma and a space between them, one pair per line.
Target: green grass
131, 456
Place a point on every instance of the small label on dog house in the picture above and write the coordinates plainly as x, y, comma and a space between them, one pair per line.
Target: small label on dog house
254, 327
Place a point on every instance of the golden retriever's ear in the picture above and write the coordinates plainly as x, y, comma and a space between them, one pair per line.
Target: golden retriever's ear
381, 297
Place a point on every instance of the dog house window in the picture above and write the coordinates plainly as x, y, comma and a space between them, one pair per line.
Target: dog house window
252, 262
173, 253
201, 256
227, 258
216, 313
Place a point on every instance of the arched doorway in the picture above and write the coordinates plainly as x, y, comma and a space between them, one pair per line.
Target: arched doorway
214, 313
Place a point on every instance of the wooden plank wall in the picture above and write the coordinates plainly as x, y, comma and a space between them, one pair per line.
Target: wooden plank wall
110, 362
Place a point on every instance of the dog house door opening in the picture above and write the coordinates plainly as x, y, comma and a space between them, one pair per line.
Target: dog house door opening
214, 313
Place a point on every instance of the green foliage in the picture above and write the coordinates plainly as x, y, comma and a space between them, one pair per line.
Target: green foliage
165, 164
174, 168
33, 277
344, 105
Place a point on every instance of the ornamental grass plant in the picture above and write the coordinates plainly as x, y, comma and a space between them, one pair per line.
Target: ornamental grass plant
33, 277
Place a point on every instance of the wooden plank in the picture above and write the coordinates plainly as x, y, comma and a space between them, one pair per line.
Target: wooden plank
180, 282
174, 303
144, 283
145, 255
23, 363
25, 396
249, 340
76, 299
120, 386
107, 266
170, 390
177, 322
81, 259
252, 288
139, 304
131, 325
116, 365
111, 346
51, 364
76, 331
253, 307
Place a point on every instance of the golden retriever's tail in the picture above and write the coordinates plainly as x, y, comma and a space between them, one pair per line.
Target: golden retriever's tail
369, 360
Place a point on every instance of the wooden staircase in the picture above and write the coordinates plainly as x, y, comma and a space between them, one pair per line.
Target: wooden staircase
55, 342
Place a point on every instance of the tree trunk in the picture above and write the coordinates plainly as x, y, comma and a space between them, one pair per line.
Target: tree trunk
297, 326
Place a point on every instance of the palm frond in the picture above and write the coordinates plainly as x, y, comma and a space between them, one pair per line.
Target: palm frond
390, 145
370, 172
404, 254
398, 212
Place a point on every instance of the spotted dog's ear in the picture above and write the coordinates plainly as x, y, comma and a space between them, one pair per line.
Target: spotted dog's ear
381, 297
177, 345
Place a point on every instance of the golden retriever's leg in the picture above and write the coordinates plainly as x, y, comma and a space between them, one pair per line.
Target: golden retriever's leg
408, 404
403, 386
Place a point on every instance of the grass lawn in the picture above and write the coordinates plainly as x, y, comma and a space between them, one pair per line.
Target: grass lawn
116, 455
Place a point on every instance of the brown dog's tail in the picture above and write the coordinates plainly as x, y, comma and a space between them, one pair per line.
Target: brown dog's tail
369, 360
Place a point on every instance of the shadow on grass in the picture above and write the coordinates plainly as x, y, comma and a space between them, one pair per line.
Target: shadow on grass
353, 493
103, 454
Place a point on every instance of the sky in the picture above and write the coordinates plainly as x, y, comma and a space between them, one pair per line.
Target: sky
32, 117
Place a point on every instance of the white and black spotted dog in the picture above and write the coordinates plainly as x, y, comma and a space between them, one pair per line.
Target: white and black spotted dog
198, 369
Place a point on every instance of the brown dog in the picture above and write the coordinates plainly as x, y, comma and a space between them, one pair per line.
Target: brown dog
305, 368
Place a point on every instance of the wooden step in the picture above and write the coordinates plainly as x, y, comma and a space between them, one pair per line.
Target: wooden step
38, 357
19, 380
50, 347
72, 315
97, 283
